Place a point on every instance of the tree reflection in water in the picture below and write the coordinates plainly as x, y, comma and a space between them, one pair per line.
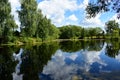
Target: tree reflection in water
34, 58
90, 63
7, 64
80, 59
112, 49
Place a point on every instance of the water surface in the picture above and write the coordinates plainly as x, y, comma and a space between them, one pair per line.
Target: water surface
68, 60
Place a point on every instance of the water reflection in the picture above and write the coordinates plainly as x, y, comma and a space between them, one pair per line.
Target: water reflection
6, 63
83, 64
69, 60
16, 74
64, 65
112, 50
32, 59
72, 46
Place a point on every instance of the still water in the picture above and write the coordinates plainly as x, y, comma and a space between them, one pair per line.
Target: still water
68, 60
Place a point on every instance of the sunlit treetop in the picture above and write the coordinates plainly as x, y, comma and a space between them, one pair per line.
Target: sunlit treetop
94, 7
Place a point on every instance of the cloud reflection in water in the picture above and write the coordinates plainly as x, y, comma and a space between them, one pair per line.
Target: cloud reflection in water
64, 65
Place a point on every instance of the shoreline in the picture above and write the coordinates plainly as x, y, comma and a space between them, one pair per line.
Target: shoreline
20, 43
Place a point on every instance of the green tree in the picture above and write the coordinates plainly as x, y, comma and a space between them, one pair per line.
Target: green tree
27, 16
111, 26
53, 32
70, 31
94, 32
82, 33
45, 29
6, 21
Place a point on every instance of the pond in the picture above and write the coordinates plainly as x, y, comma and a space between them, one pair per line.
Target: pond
67, 60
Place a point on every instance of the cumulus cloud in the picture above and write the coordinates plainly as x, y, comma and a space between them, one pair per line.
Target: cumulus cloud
55, 10
84, 4
73, 17
92, 22
15, 5
114, 17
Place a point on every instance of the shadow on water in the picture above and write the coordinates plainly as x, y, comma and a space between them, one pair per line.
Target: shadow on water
67, 60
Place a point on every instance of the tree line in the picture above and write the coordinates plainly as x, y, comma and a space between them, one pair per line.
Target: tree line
111, 31
33, 23
37, 27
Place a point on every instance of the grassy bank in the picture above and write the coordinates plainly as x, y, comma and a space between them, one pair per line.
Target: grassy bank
35, 41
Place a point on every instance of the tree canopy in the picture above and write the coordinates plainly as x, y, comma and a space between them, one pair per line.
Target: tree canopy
97, 6
111, 25
77, 32
35, 25
7, 23
27, 16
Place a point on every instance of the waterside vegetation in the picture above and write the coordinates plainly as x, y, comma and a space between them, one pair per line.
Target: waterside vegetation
36, 28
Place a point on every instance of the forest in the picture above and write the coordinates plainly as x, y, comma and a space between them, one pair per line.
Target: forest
35, 27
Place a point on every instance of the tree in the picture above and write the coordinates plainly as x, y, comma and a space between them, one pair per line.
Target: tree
6, 21
53, 32
94, 7
27, 16
82, 33
94, 32
70, 31
111, 26
45, 29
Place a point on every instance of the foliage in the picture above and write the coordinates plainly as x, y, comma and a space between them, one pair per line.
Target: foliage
77, 32
27, 16
7, 24
37, 27
34, 24
94, 31
97, 6
70, 31
111, 26
45, 29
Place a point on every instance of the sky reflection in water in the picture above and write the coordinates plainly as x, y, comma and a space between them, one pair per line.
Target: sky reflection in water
82, 64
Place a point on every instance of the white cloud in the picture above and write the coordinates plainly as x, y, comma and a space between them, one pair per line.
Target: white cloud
114, 17
92, 22
15, 5
73, 17
55, 10
84, 4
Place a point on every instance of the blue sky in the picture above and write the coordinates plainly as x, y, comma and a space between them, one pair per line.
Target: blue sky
65, 12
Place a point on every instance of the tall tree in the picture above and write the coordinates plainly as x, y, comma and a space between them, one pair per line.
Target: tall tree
45, 29
27, 16
6, 20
